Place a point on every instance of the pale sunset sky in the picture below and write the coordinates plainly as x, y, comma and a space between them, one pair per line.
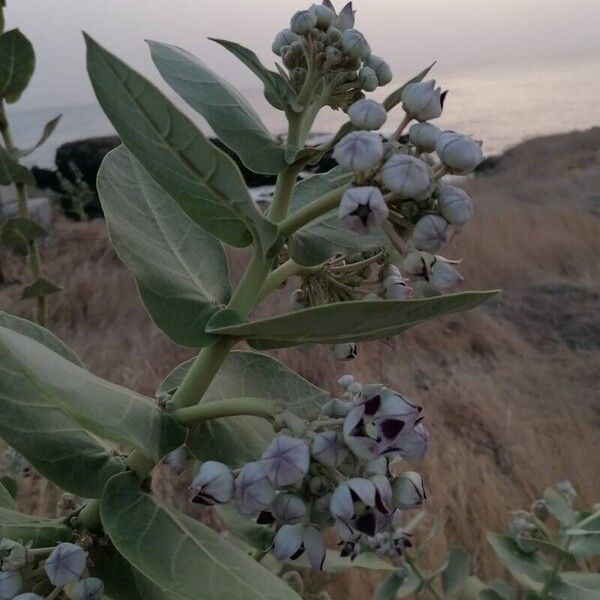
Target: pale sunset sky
408, 33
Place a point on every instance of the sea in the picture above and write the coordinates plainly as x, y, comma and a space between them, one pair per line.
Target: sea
502, 105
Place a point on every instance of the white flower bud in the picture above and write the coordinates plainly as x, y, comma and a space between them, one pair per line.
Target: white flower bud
345, 19
382, 69
292, 540
443, 276
422, 101
368, 79
297, 300
286, 461
354, 44
303, 21
396, 287
408, 491
460, 153
565, 487
283, 38
363, 209
455, 204
367, 114
359, 151
13, 554
327, 447
345, 351
11, 584
424, 136
323, 14
213, 484
408, 177
66, 564
288, 508
430, 232
90, 588
345, 380
253, 490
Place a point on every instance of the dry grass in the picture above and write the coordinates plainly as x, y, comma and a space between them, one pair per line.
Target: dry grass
510, 390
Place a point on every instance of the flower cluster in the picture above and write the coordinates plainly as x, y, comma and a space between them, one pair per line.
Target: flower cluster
321, 45
342, 470
64, 567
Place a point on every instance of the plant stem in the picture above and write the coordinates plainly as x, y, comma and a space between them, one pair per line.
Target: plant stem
546, 589
54, 594
283, 193
226, 408
424, 580
396, 240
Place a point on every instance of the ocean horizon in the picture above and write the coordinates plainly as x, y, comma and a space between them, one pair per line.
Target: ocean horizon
501, 104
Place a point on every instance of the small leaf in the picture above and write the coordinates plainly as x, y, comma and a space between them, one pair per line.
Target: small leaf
181, 270
11, 171
388, 588
576, 586
18, 232
6, 498
17, 63
40, 287
228, 113
559, 507
354, 321
456, 572
46, 133
179, 554
41, 531
204, 181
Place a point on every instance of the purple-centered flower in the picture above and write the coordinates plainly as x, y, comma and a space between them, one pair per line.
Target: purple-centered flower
363, 209
66, 564
328, 448
291, 541
288, 508
286, 460
253, 489
408, 491
213, 484
412, 446
357, 436
395, 416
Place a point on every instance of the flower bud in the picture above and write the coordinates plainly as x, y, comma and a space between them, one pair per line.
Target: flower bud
286, 461
454, 204
422, 101
336, 408
213, 484
368, 79
327, 447
298, 300
253, 489
430, 233
303, 22
90, 588
565, 487
16, 558
345, 19
443, 276
359, 151
323, 14
283, 38
333, 56
298, 76
11, 584
367, 114
345, 351
397, 288
288, 508
424, 136
354, 44
345, 380
363, 209
292, 540
334, 37
460, 153
408, 491
382, 69
66, 564
408, 177
540, 509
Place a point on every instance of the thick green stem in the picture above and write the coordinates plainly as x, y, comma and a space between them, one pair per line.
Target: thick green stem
282, 196
232, 407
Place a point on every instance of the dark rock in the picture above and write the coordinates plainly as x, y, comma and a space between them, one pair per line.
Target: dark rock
46, 179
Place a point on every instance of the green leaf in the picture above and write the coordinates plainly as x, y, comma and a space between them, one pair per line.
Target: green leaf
530, 570
10, 485
41, 531
237, 440
547, 548
179, 554
181, 270
6, 498
335, 563
17, 63
277, 89
454, 575
586, 534
17, 232
11, 171
41, 393
354, 321
388, 588
39, 334
326, 236
46, 133
228, 113
497, 590
204, 181
245, 529
40, 287
559, 507
396, 96
576, 586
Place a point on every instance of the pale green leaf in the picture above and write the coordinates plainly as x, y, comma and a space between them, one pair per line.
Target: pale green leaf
559, 507
354, 321
17, 63
204, 181
46, 133
244, 528
454, 575
18, 232
181, 270
576, 586
11, 171
586, 537
41, 531
180, 554
39, 288
228, 113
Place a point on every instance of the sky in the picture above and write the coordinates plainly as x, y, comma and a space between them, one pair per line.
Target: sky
410, 34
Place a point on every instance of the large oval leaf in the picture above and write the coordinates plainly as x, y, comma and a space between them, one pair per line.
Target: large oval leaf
574, 585
229, 114
355, 321
181, 270
38, 385
326, 236
180, 554
42, 532
17, 63
237, 440
205, 182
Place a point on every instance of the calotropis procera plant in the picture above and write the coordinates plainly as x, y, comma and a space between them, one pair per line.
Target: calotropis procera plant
21, 233
282, 460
